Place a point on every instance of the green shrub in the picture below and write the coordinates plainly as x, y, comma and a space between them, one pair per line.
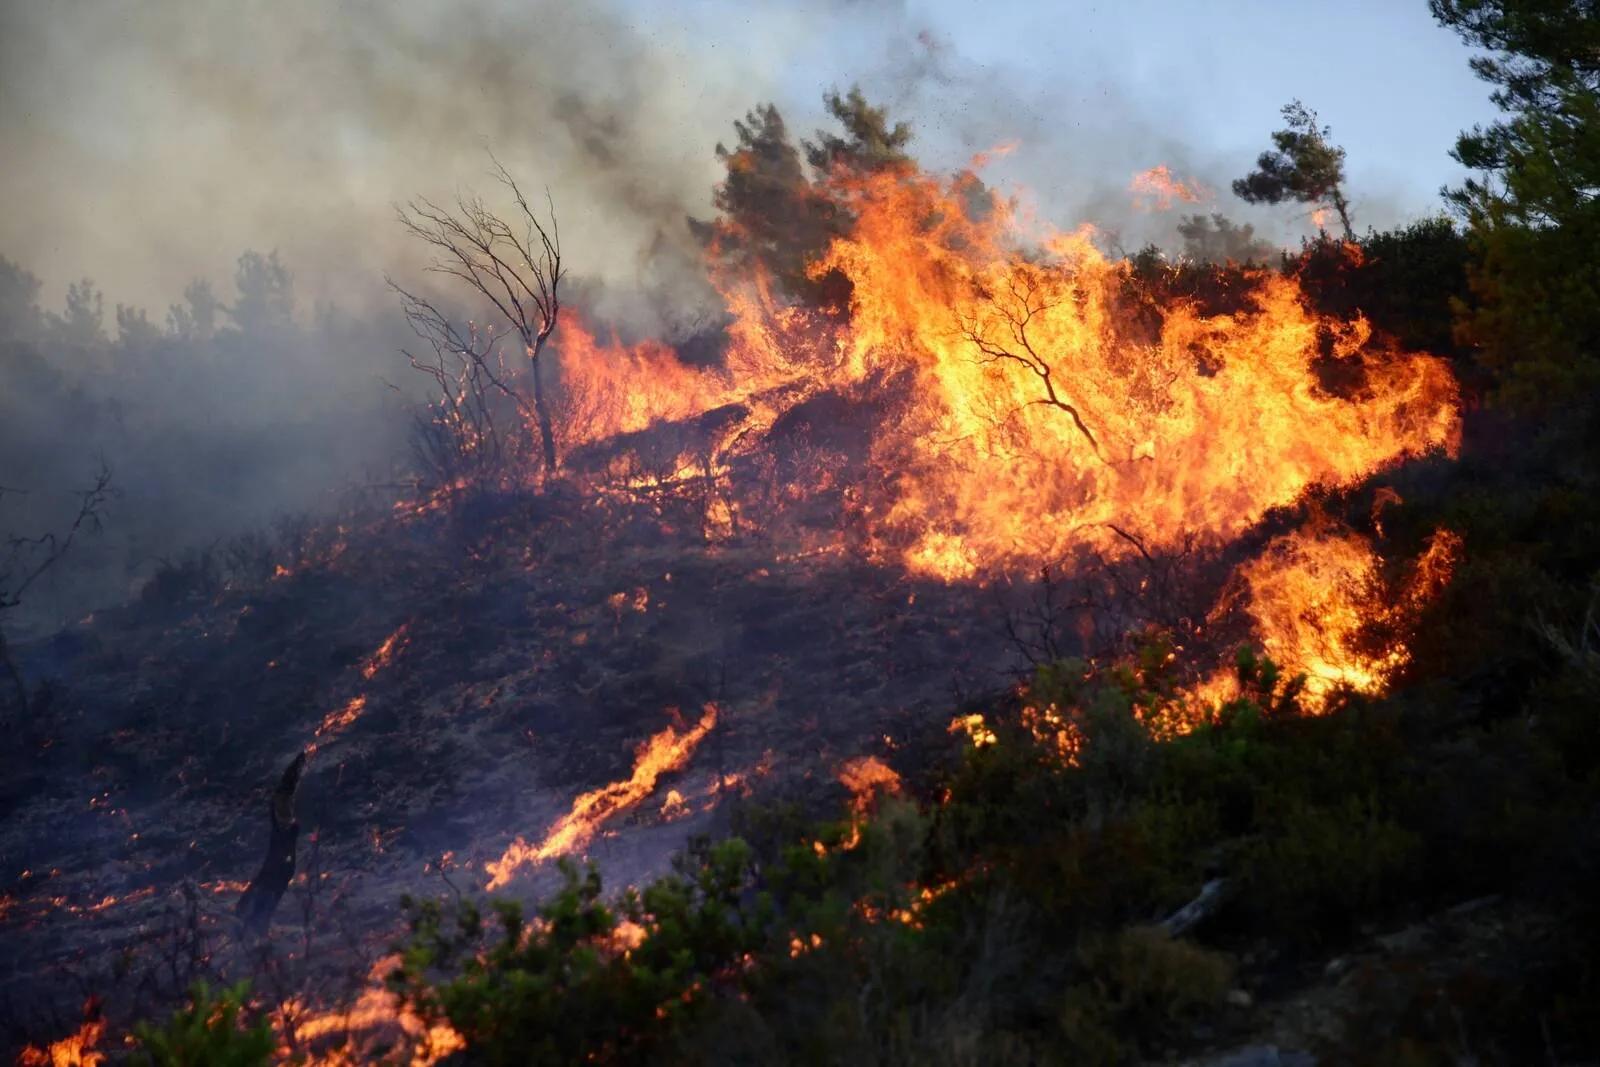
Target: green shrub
207, 1033
1317, 869
1139, 991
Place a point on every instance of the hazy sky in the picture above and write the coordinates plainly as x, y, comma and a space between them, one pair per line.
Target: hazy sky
149, 143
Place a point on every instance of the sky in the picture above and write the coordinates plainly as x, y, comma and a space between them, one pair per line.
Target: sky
150, 143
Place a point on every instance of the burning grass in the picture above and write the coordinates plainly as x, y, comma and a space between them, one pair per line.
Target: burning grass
665, 752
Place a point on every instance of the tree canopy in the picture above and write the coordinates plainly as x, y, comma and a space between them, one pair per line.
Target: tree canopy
1534, 209
1304, 166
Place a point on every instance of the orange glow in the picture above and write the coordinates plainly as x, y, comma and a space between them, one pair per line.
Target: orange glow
867, 777
1322, 608
77, 1049
341, 718
673, 807
626, 936
377, 1009
974, 727
667, 751
384, 654
337, 720
1157, 189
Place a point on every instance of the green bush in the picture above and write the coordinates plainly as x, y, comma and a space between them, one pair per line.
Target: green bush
209, 1032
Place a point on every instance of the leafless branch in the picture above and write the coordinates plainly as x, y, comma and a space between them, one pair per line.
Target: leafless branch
1013, 314
24, 560
514, 264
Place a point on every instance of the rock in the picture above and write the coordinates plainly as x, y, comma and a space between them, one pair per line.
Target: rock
1239, 998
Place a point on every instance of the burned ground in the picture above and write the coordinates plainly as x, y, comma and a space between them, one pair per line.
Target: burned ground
532, 644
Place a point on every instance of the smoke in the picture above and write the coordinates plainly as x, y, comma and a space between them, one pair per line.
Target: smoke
151, 143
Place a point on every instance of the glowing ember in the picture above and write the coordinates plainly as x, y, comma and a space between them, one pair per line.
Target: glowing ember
384, 654
336, 721
341, 718
626, 936
667, 751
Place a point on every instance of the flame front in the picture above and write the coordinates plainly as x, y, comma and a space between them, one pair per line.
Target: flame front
1038, 392
667, 751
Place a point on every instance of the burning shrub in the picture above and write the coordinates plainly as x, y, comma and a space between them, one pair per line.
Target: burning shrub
570, 985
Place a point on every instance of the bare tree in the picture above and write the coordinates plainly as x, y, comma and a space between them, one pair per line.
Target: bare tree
459, 437
24, 560
515, 265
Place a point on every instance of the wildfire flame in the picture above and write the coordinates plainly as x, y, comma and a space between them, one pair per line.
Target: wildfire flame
377, 1008
341, 718
663, 753
1157, 189
867, 777
1313, 595
1031, 405
77, 1049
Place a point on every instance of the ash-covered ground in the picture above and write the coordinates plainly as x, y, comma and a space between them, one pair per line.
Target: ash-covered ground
460, 674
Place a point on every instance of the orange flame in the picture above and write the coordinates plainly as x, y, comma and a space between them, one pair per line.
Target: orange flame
383, 655
77, 1049
1037, 399
1315, 596
667, 751
341, 718
378, 1008
866, 777
974, 727
1157, 189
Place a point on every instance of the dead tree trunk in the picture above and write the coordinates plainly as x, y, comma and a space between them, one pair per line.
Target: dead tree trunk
261, 896
547, 436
